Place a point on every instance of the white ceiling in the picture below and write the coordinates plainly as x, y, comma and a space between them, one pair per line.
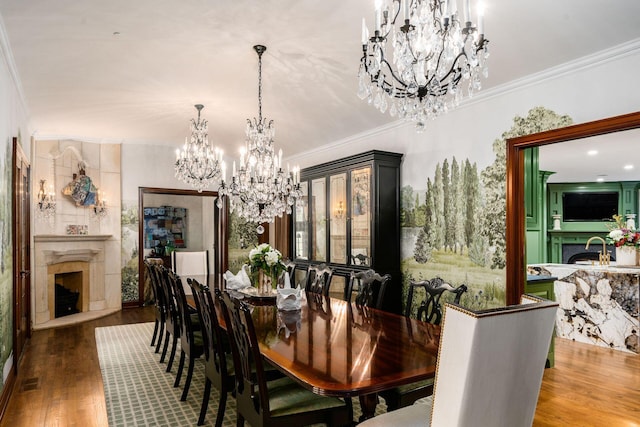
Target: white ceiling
82, 81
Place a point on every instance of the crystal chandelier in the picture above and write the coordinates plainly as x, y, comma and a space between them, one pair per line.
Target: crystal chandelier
418, 66
260, 189
46, 204
198, 164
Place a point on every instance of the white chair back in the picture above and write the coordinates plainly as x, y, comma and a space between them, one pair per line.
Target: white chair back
190, 265
490, 364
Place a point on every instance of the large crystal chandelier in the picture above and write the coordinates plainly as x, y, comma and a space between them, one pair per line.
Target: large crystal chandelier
198, 164
260, 189
421, 58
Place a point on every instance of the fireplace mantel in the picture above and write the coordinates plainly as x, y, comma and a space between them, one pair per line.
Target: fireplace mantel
71, 237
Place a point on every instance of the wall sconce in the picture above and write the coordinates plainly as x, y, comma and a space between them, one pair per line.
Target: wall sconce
46, 203
340, 210
99, 209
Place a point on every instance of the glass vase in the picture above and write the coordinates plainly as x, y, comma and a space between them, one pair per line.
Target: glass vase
265, 283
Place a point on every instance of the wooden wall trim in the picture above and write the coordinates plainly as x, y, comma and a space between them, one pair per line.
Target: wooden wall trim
515, 220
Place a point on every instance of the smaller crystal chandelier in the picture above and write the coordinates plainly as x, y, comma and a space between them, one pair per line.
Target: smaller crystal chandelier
260, 189
416, 66
99, 211
198, 164
46, 204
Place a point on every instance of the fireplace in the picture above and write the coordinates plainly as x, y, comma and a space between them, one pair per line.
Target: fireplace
79, 263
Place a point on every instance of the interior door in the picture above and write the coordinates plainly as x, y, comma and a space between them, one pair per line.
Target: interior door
21, 200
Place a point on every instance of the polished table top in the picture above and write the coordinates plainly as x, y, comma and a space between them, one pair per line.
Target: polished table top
338, 349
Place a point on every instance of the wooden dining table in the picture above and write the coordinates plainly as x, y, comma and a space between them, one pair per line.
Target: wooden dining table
336, 348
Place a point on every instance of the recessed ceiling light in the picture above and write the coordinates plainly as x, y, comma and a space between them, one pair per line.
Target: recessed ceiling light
600, 179
628, 167
592, 152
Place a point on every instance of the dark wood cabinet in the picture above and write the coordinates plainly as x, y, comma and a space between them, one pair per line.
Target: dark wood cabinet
349, 219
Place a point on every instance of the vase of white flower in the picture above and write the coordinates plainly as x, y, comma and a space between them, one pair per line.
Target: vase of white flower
266, 266
626, 240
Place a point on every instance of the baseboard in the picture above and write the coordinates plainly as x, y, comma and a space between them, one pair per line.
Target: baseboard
7, 390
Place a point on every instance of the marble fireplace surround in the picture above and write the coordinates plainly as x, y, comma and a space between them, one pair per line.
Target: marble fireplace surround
52, 250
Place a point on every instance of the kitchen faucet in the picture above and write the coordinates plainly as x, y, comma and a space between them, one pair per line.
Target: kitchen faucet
604, 258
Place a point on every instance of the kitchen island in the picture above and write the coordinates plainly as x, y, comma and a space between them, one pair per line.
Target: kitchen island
598, 304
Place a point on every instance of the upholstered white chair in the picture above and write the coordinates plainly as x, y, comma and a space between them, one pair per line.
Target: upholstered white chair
190, 265
490, 366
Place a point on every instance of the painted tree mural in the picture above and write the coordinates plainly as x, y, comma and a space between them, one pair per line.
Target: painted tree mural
462, 236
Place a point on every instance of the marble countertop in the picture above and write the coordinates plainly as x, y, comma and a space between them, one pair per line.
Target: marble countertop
613, 268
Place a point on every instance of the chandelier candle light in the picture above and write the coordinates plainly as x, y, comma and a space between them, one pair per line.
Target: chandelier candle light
198, 164
421, 57
260, 189
46, 203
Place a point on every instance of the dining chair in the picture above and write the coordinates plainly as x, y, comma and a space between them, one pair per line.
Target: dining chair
429, 310
158, 304
318, 279
369, 287
280, 402
172, 316
490, 367
218, 362
189, 264
191, 340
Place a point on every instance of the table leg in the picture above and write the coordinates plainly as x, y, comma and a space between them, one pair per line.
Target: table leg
368, 403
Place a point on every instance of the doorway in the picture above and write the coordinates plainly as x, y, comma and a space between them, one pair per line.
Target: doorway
21, 204
172, 219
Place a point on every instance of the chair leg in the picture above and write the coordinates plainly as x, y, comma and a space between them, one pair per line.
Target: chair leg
164, 348
160, 335
173, 353
155, 332
187, 382
205, 402
180, 367
222, 405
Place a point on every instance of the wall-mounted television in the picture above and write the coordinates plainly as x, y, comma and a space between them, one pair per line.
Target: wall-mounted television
589, 206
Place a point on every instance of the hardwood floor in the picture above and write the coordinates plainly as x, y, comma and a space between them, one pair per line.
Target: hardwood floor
59, 382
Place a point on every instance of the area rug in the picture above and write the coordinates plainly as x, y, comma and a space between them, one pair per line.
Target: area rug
138, 391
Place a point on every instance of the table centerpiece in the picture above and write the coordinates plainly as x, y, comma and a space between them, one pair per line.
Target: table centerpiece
266, 267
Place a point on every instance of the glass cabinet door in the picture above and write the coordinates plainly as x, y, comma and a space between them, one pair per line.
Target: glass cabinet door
301, 224
338, 218
319, 219
360, 216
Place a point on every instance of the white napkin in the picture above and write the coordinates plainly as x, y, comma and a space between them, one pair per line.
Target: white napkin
237, 281
288, 299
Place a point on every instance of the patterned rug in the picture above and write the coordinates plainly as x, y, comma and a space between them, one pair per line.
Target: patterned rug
138, 391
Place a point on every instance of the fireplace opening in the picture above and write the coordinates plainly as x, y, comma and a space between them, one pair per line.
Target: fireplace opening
66, 301
68, 287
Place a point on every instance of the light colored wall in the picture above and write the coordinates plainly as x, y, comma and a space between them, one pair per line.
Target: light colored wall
148, 166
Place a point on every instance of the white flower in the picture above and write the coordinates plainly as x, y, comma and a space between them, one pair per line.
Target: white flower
271, 258
253, 252
262, 246
616, 235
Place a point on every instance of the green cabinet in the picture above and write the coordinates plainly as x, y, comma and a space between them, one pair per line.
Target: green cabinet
543, 287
